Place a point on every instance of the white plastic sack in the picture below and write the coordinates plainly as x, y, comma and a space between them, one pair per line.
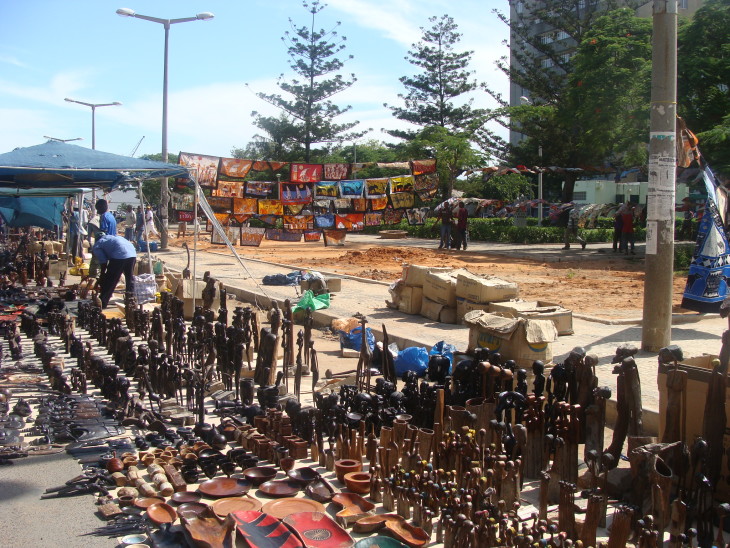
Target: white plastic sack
145, 288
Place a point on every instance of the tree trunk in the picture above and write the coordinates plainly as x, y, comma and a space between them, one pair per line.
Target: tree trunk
568, 187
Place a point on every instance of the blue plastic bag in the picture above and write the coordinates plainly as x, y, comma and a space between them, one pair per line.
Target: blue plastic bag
445, 349
353, 339
413, 358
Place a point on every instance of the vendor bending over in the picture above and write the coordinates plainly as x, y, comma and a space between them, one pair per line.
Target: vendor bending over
116, 255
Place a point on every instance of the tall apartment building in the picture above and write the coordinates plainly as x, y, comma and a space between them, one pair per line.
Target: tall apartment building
523, 11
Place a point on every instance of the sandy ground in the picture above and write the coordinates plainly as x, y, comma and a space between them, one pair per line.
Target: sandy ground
607, 285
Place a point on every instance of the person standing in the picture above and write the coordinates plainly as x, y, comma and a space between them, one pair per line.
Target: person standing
116, 256
149, 220
77, 231
570, 219
617, 226
627, 229
107, 222
446, 216
130, 221
461, 225
139, 224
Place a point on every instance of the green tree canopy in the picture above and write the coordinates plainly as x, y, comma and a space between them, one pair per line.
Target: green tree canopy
435, 95
309, 113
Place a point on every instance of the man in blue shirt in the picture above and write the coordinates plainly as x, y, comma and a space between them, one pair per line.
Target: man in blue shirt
107, 222
116, 255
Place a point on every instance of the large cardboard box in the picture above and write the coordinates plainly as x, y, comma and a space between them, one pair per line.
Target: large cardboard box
411, 299
440, 287
520, 339
187, 289
537, 310
699, 371
448, 315
463, 306
414, 274
431, 309
479, 289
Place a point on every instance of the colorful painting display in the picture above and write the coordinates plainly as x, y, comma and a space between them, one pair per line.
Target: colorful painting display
252, 236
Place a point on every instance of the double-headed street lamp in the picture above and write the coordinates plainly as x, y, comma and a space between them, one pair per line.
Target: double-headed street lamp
93, 107
62, 140
164, 190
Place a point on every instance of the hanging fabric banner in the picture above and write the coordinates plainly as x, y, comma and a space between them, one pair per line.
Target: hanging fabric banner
326, 190
292, 193
378, 204
235, 168
419, 167
429, 181
709, 271
279, 235
233, 233
376, 188
312, 235
182, 202
392, 216
245, 206
204, 167
305, 173
252, 236
293, 209
402, 200
373, 219
359, 205
352, 222
267, 219
220, 204
343, 204
262, 189
271, 207
222, 218
351, 189
336, 172
298, 222
404, 183
240, 219
324, 221
417, 216
234, 189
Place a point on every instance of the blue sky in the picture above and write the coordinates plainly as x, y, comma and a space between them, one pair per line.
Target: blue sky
52, 49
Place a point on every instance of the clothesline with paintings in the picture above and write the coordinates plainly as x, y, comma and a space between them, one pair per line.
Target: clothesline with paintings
313, 199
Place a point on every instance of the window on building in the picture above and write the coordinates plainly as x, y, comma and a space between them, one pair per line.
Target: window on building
683, 4
561, 35
565, 57
580, 195
546, 38
520, 7
546, 63
581, 4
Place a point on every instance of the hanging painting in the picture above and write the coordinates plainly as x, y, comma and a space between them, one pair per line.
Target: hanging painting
235, 168
204, 168
262, 189
324, 221
182, 202
402, 200
220, 204
351, 189
417, 216
392, 216
245, 206
298, 222
352, 222
305, 173
252, 236
233, 233
233, 189
324, 190
376, 188
279, 235
312, 235
271, 207
373, 218
336, 172
404, 183
292, 193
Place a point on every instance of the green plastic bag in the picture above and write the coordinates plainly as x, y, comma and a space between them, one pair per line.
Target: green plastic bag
308, 300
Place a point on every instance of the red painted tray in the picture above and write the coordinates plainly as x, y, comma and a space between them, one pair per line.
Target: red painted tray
261, 530
318, 530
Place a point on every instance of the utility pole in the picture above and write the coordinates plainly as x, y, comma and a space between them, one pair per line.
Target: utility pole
657, 325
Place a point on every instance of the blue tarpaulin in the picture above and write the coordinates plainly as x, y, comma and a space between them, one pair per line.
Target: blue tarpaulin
61, 165
43, 212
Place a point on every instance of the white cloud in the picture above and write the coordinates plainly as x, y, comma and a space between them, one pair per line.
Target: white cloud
11, 60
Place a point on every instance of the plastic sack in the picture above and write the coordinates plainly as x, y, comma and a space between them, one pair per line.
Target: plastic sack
413, 358
145, 288
308, 300
353, 339
445, 349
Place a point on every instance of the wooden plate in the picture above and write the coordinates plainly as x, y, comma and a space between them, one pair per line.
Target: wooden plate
318, 530
224, 487
283, 507
225, 506
181, 497
161, 513
145, 502
280, 488
379, 541
261, 530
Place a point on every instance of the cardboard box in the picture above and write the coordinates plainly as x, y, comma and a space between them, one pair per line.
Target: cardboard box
431, 309
699, 371
520, 339
460, 310
414, 274
448, 315
411, 299
440, 287
537, 310
479, 289
187, 289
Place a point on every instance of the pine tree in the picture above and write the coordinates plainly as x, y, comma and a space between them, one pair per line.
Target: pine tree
432, 94
309, 108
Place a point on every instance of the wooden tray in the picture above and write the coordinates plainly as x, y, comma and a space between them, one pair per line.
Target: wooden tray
261, 530
280, 488
224, 487
283, 507
318, 530
223, 507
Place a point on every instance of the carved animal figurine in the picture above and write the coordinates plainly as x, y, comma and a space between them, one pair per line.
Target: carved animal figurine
186, 270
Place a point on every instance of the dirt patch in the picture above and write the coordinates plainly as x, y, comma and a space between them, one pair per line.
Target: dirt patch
609, 287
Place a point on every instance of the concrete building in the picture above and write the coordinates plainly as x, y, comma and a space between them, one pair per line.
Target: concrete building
602, 191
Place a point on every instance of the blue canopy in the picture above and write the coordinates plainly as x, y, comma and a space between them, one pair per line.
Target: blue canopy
44, 212
61, 165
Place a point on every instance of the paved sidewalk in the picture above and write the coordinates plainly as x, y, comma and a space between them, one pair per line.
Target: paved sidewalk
696, 334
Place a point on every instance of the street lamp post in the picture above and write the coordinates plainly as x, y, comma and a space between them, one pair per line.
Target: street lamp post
164, 189
93, 107
539, 188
